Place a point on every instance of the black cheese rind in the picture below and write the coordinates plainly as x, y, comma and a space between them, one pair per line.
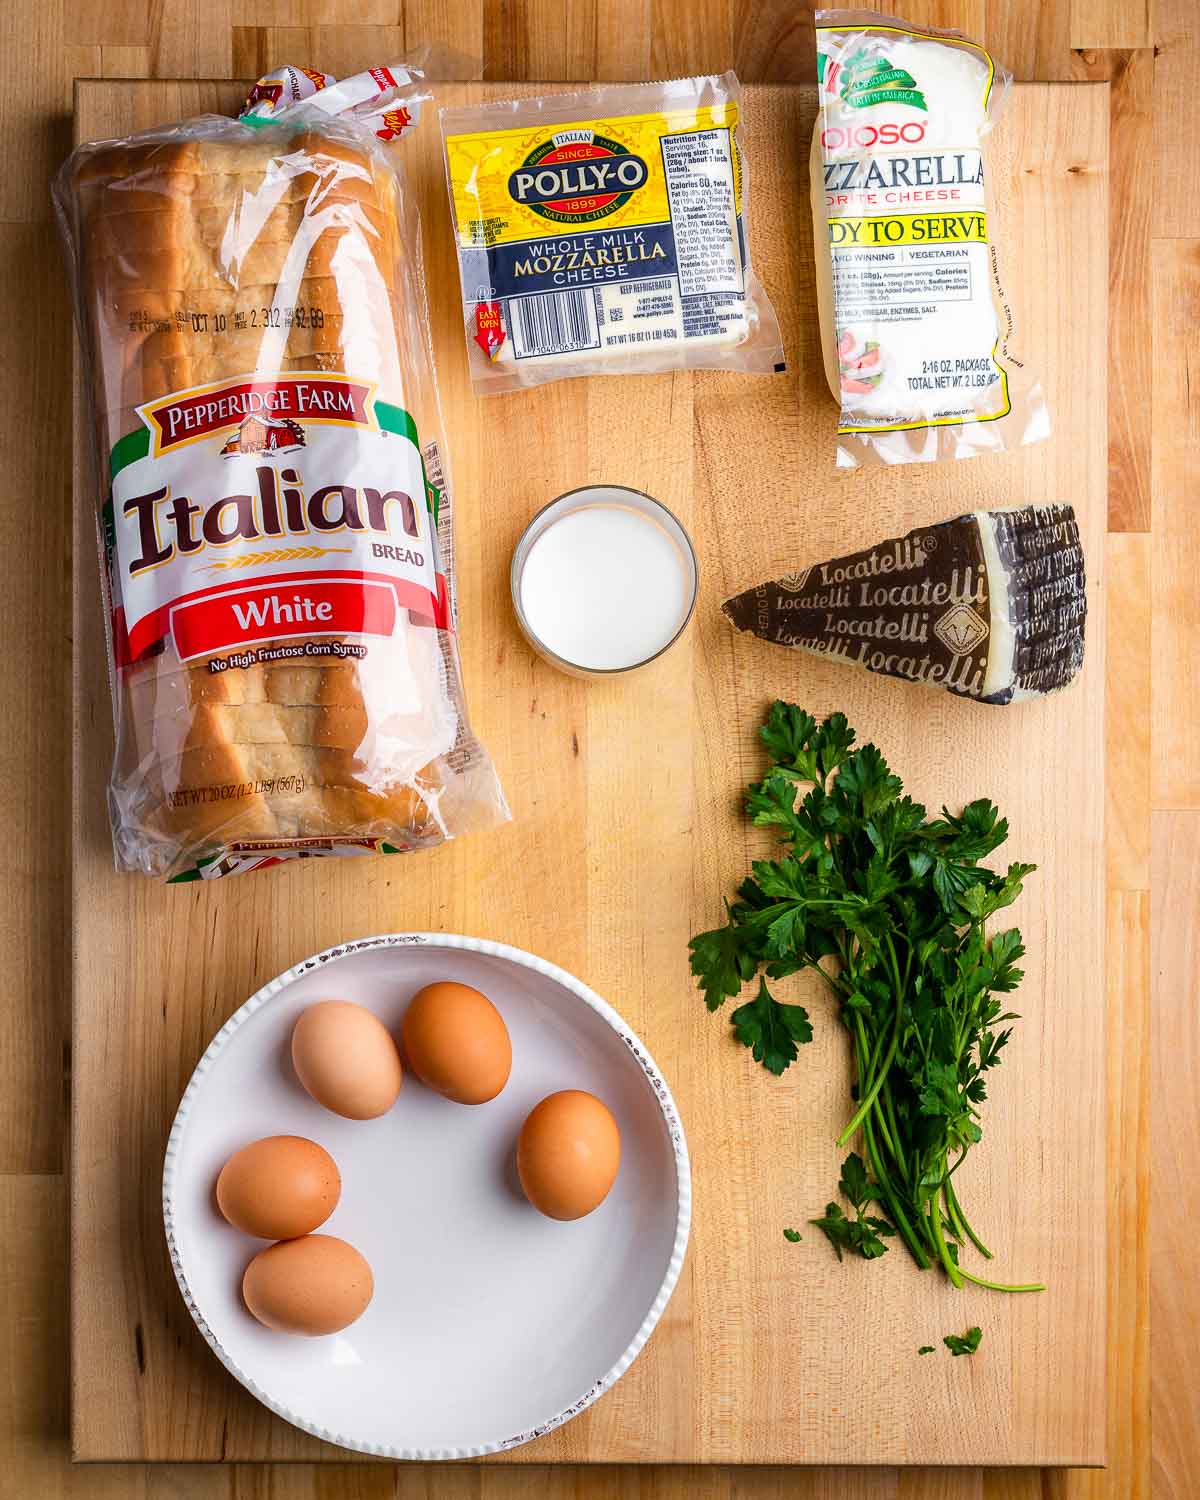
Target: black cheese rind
989, 605
1040, 551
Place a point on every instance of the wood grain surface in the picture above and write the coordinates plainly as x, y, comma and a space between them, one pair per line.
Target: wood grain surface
53, 41
1175, 1119
626, 789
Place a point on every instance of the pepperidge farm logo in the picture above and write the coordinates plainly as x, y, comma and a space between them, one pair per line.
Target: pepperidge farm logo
256, 415
577, 177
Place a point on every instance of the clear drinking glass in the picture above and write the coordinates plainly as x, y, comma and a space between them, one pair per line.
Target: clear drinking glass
599, 496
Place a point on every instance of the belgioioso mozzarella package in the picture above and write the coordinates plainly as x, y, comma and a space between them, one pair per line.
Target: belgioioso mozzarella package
604, 232
915, 327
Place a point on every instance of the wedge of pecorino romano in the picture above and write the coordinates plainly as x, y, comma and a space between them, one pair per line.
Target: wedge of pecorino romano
991, 605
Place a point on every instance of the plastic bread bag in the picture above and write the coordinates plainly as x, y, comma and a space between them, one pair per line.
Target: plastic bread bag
274, 516
605, 232
915, 327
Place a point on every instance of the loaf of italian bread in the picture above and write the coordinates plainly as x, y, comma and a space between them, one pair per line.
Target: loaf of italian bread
252, 320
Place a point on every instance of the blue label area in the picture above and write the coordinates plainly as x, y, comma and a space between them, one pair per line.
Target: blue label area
566, 262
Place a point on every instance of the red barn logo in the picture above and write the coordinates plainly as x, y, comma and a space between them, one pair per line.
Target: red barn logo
258, 434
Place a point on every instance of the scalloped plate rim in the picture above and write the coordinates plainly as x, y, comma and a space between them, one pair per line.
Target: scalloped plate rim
490, 949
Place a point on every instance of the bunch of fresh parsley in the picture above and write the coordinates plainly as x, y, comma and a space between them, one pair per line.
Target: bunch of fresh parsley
890, 908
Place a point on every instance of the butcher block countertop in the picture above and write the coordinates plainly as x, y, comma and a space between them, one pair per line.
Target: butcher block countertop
627, 835
1103, 253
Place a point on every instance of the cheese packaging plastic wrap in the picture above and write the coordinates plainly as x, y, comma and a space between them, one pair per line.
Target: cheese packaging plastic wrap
274, 509
916, 329
605, 232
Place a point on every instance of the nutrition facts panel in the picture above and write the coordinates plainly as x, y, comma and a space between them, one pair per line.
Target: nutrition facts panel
891, 283
699, 173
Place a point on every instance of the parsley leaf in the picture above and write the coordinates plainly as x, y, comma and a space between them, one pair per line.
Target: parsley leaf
867, 1240
861, 1234
792, 1235
892, 911
722, 962
925, 1349
835, 1227
832, 742
865, 785
771, 1029
864, 1233
787, 734
854, 1181
772, 803
964, 1344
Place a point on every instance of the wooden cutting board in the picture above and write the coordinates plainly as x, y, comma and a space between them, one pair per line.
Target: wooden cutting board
626, 836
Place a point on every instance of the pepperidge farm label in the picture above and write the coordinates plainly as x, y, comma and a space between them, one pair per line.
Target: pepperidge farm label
269, 508
601, 236
902, 117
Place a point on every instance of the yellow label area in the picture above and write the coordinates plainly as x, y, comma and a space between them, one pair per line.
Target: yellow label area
504, 183
942, 228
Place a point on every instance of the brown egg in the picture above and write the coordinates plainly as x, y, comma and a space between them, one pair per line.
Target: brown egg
568, 1154
279, 1187
457, 1043
311, 1286
345, 1057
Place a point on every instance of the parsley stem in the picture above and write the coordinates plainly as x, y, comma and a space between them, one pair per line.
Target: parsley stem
1000, 1286
868, 1099
952, 1214
866, 1070
960, 1221
886, 1096
829, 980
893, 1204
954, 1272
886, 1136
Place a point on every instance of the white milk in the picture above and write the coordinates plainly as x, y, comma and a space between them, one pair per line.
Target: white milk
605, 587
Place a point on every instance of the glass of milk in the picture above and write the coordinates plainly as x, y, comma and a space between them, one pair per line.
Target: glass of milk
604, 579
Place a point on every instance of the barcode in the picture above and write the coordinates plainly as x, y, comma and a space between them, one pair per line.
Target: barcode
553, 323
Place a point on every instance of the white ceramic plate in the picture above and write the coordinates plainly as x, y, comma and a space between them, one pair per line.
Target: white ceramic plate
490, 1324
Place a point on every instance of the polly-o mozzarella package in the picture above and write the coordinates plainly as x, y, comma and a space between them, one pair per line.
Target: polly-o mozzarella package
915, 327
270, 482
604, 232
